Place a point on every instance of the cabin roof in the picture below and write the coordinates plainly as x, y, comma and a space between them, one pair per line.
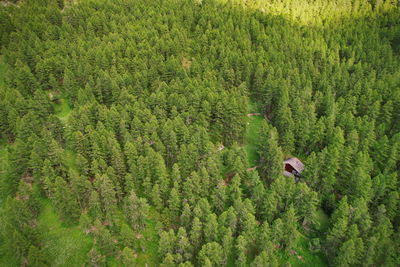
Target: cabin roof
295, 163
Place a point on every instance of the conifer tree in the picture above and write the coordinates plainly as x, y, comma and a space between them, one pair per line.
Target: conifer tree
211, 253
174, 201
107, 197
136, 210
167, 242
272, 157
95, 205
211, 228
64, 201
168, 261
183, 244
241, 248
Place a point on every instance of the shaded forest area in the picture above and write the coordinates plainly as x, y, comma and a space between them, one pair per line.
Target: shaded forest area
113, 114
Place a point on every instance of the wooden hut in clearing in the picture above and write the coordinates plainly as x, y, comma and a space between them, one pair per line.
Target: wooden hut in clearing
293, 166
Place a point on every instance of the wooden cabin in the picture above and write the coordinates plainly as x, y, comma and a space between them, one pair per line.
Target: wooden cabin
293, 166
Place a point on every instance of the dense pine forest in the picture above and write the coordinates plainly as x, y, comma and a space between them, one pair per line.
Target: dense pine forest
153, 133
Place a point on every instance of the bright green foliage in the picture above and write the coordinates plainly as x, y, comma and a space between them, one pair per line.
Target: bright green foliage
211, 228
183, 244
64, 202
252, 139
241, 249
136, 210
196, 233
271, 154
211, 253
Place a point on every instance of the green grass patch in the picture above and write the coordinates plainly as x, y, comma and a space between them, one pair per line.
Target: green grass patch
304, 256
252, 139
309, 258
252, 133
62, 109
322, 220
64, 245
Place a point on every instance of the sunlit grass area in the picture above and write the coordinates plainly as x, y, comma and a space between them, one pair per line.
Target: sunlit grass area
62, 109
64, 245
251, 140
252, 133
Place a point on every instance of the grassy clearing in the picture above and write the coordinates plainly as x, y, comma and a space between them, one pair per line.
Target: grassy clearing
308, 258
323, 220
252, 139
65, 246
62, 109
252, 134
